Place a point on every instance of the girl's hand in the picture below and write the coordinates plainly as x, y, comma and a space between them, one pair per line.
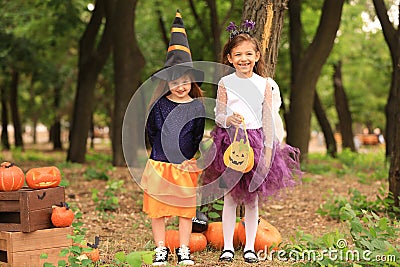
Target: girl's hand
235, 119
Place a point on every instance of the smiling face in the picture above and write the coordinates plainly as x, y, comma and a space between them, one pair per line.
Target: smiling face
180, 89
244, 57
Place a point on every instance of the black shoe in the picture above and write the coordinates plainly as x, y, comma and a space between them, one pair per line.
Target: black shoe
250, 256
227, 255
183, 254
161, 256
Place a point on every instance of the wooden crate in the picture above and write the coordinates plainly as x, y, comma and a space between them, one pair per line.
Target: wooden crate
27, 209
19, 249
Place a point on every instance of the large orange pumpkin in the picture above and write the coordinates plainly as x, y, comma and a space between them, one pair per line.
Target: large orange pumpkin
215, 238
11, 177
43, 177
197, 242
267, 235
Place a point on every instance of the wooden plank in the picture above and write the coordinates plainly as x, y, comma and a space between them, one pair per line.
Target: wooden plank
10, 227
44, 198
9, 205
40, 239
3, 244
12, 195
32, 258
37, 219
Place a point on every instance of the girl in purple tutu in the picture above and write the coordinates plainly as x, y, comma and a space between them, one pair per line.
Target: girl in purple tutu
246, 98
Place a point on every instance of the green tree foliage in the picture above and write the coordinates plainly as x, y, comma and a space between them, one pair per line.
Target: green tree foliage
40, 39
366, 64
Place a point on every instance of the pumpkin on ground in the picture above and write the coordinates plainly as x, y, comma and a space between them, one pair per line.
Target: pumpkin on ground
43, 177
94, 254
197, 242
267, 235
11, 177
215, 238
62, 216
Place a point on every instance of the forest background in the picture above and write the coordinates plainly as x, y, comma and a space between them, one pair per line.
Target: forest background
73, 66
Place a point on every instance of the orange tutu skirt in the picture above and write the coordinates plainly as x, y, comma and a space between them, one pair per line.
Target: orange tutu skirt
170, 189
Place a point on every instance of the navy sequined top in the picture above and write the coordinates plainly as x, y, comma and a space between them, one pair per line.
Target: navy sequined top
175, 129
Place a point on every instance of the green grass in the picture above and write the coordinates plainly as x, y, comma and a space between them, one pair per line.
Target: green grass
367, 167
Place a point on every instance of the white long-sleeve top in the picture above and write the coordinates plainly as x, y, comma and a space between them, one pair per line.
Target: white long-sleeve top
251, 98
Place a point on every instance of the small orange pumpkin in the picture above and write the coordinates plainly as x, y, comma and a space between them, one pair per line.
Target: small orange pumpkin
62, 216
197, 242
11, 177
267, 235
215, 238
94, 254
43, 177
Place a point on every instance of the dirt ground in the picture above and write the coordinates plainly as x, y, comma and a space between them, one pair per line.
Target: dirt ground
128, 229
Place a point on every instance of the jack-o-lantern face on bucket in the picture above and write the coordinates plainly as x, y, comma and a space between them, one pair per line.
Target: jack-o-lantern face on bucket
239, 156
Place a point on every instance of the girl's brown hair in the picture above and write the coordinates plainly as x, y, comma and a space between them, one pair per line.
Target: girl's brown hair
163, 89
259, 67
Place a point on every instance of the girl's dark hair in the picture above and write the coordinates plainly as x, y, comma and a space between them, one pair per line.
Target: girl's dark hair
259, 67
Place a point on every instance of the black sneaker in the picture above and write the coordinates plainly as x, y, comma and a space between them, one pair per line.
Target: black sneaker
183, 254
250, 256
161, 257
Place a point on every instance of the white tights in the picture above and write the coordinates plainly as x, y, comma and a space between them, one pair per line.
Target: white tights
229, 221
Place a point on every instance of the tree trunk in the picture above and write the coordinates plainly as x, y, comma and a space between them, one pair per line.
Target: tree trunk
56, 127
128, 63
216, 29
342, 108
306, 68
394, 171
330, 142
268, 16
392, 36
14, 109
5, 143
213, 38
91, 62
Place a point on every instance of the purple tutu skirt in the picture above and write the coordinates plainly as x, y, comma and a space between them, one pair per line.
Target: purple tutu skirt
262, 181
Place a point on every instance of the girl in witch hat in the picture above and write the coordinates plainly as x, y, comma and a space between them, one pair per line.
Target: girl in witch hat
175, 127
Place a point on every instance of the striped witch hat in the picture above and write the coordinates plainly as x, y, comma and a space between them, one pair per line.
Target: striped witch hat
179, 58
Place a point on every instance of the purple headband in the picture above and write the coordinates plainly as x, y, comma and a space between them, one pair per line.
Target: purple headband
246, 27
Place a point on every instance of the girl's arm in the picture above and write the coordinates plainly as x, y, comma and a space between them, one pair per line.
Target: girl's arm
268, 123
221, 117
276, 104
220, 109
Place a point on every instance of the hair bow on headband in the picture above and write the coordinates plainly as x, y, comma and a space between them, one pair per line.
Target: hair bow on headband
246, 27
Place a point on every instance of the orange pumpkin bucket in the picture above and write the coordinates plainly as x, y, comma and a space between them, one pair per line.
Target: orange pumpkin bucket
239, 156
